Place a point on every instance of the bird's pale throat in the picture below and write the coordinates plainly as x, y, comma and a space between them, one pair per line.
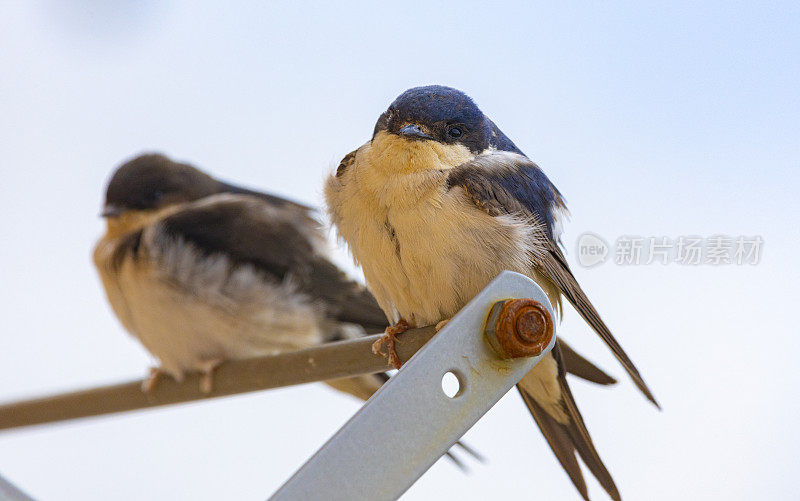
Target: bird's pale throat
392, 153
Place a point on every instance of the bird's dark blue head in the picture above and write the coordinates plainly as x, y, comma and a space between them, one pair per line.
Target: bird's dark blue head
445, 115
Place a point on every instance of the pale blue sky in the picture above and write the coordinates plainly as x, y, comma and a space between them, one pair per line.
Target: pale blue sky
652, 120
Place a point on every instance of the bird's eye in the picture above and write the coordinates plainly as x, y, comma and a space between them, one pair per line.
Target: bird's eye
155, 196
454, 131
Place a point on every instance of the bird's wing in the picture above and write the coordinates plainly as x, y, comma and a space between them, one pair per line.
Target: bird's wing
567, 434
502, 183
281, 242
346, 162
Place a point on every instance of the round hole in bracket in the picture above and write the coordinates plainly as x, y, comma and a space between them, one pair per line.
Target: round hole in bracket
452, 384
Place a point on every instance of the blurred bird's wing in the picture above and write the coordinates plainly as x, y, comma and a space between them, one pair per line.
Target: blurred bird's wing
566, 432
266, 197
282, 242
502, 183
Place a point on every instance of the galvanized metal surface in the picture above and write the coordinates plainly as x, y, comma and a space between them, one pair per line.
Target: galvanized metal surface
410, 423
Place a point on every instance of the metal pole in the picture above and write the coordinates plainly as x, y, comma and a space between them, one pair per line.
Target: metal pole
329, 361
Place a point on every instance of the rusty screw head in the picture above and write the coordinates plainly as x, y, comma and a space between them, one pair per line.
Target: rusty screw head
519, 328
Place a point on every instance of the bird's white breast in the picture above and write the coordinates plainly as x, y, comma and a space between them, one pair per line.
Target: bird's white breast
425, 250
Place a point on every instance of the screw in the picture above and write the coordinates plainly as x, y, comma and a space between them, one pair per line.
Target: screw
519, 328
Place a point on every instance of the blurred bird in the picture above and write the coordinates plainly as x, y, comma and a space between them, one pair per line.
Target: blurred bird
201, 271
433, 207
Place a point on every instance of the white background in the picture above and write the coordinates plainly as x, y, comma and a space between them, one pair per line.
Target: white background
669, 121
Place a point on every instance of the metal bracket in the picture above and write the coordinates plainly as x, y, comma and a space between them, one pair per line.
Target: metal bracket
10, 492
410, 423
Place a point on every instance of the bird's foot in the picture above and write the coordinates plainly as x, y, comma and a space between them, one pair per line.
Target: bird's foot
152, 379
441, 324
207, 368
389, 339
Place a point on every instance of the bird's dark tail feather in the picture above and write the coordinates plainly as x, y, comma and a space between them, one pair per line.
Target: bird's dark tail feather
582, 368
566, 440
555, 266
570, 437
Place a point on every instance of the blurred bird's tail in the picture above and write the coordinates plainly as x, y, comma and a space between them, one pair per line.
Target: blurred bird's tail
361, 387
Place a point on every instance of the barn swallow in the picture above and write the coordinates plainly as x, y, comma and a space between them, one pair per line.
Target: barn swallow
436, 205
201, 271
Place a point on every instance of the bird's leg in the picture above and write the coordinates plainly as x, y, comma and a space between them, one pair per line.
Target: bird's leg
389, 339
207, 368
150, 382
441, 324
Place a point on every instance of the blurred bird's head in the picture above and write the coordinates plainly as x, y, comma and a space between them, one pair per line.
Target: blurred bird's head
151, 185
152, 182
435, 125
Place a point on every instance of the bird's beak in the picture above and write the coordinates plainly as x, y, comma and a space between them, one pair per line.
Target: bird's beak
111, 211
414, 131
